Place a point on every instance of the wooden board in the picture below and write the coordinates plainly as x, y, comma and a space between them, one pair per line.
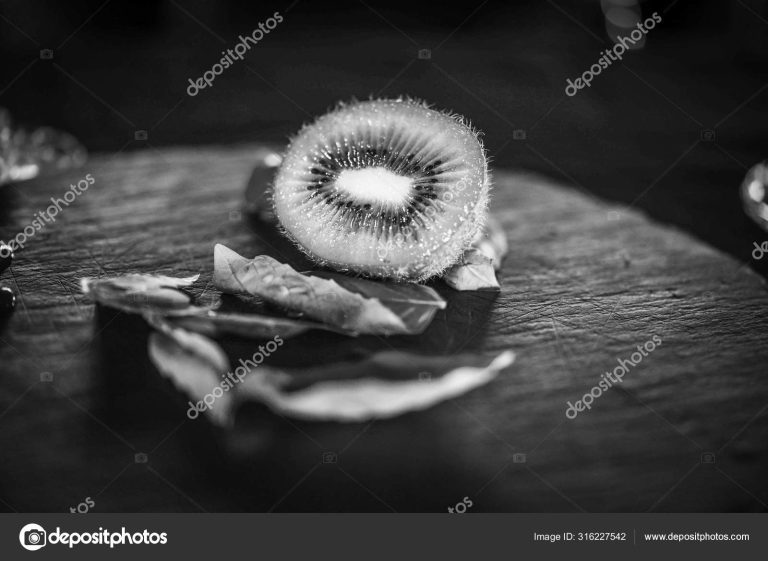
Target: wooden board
584, 284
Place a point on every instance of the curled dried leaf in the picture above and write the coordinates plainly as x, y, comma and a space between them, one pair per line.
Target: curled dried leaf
473, 272
225, 263
359, 306
492, 242
415, 304
194, 364
254, 326
477, 266
363, 399
137, 293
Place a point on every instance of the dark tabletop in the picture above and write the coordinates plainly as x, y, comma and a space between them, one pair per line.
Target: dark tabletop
631, 226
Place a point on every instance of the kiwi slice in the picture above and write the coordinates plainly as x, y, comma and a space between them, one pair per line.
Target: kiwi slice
383, 188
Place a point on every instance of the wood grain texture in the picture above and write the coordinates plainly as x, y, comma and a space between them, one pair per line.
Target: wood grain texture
583, 285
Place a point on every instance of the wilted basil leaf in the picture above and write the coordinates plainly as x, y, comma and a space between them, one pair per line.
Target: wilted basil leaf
414, 304
477, 265
473, 272
492, 242
138, 293
225, 263
195, 365
358, 306
363, 399
255, 326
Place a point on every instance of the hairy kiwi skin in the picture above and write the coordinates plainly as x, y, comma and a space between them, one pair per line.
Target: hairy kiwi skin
436, 243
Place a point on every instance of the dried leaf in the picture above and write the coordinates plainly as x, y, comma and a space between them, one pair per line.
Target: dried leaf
325, 300
138, 293
194, 364
197, 365
477, 265
363, 399
415, 304
320, 299
473, 272
254, 326
491, 241
136, 282
225, 263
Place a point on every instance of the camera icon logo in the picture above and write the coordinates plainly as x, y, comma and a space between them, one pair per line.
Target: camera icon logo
32, 537
330, 457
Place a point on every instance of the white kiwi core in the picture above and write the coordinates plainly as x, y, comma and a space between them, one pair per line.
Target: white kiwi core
375, 185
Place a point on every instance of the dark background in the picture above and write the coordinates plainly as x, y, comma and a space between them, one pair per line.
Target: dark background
635, 136
670, 131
